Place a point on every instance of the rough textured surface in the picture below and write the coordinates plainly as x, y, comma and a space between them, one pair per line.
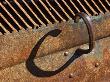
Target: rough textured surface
92, 67
16, 47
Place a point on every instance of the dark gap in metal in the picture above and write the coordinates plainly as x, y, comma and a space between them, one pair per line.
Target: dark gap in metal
18, 19
105, 4
29, 12
79, 6
53, 13
57, 8
93, 6
37, 13
101, 7
2, 31
6, 25
8, 19
20, 12
11, 12
44, 11
86, 6
2, 1
65, 8
108, 1
71, 6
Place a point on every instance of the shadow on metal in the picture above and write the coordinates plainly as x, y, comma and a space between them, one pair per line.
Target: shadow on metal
36, 71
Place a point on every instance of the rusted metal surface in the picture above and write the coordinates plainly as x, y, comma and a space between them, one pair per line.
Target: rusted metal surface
92, 67
37, 39
16, 47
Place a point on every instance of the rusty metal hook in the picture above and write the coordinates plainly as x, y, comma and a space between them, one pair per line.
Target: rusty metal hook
89, 25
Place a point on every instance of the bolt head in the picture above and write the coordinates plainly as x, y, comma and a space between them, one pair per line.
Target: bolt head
71, 75
66, 54
96, 64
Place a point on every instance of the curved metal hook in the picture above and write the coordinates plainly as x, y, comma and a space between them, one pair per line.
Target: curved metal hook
89, 25
36, 71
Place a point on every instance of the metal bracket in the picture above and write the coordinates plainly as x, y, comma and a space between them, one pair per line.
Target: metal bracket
89, 25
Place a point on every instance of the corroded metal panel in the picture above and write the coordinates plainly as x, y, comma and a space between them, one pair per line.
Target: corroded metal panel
40, 41
16, 47
92, 67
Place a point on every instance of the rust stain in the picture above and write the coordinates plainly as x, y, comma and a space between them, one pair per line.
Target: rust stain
106, 53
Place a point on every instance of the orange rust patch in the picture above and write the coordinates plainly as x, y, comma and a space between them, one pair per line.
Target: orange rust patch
106, 54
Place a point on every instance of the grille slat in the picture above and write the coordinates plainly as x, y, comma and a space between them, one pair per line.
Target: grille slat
18, 14
69, 8
63, 9
6, 31
75, 6
108, 2
34, 13
26, 13
103, 6
49, 22
83, 7
97, 6
48, 11
11, 26
93, 10
55, 11
11, 16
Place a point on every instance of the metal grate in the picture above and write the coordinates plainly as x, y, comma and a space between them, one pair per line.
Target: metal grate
22, 14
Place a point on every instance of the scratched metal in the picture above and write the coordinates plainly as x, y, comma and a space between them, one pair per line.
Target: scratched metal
92, 67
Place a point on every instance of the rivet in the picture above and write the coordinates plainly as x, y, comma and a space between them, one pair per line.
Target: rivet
71, 75
66, 54
96, 64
